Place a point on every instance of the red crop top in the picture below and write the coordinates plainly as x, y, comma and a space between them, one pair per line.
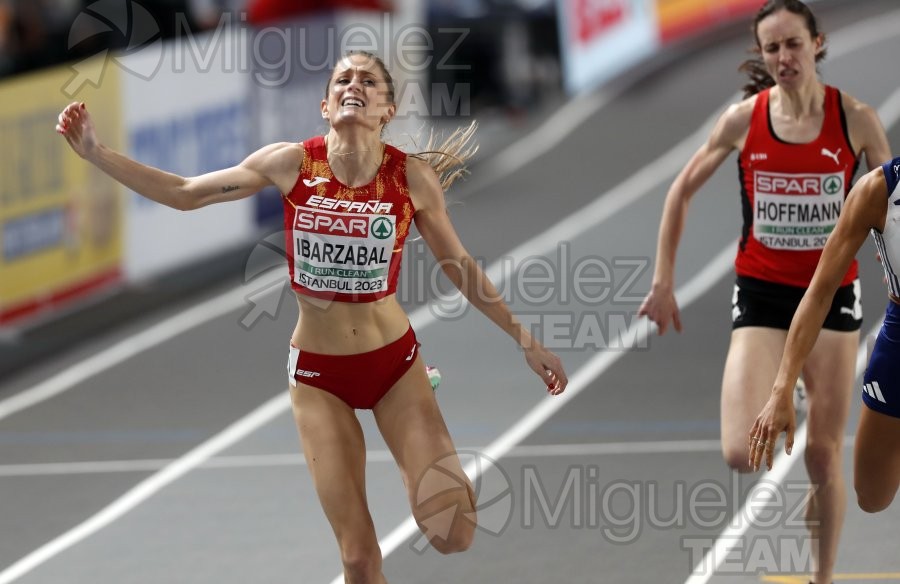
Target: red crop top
346, 243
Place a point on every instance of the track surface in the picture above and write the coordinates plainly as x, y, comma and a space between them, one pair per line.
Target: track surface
600, 486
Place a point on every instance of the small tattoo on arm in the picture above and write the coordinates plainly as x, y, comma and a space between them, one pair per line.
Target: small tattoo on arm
228, 189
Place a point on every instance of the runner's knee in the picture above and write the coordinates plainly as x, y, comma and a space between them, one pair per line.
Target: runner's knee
451, 528
871, 498
737, 459
458, 538
362, 561
822, 461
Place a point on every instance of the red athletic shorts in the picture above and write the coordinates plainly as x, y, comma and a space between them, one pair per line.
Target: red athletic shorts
360, 380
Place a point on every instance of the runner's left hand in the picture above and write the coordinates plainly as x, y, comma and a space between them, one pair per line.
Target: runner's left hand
777, 416
548, 367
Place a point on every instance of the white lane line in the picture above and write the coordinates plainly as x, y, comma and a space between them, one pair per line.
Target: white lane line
293, 459
255, 461
278, 460
552, 132
862, 34
134, 345
147, 487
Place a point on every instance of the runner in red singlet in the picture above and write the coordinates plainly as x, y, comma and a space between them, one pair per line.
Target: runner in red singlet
799, 143
349, 200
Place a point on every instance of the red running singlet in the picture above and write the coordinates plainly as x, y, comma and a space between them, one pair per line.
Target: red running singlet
792, 194
345, 243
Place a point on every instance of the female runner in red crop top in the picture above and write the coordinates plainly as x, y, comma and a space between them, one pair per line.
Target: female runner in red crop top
362, 321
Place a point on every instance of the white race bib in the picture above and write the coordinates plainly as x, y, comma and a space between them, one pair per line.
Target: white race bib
796, 211
347, 253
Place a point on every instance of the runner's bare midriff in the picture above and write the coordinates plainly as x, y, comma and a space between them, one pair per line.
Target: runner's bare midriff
347, 328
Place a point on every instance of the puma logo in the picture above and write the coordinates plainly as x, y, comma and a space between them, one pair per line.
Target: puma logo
832, 155
316, 180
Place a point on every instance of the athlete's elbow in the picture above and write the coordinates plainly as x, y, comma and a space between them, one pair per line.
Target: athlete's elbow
181, 204
181, 198
456, 269
188, 204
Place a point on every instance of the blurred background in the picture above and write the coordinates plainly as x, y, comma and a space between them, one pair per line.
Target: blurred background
195, 85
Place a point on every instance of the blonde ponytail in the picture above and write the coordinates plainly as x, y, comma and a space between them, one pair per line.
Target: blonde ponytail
449, 157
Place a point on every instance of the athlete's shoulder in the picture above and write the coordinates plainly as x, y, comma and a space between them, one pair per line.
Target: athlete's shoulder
271, 154
419, 173
417, 164
849, 102
276, 148
740, 113
733, 124
278, 162
281, 156
425, 188
865, 130
858, 112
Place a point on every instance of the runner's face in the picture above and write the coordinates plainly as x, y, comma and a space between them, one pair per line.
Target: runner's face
788, 49
358, 94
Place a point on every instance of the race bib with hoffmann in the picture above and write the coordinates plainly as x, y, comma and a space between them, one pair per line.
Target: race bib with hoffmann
796, 211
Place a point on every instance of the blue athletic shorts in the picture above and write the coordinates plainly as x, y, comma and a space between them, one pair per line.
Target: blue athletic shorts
881, 383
